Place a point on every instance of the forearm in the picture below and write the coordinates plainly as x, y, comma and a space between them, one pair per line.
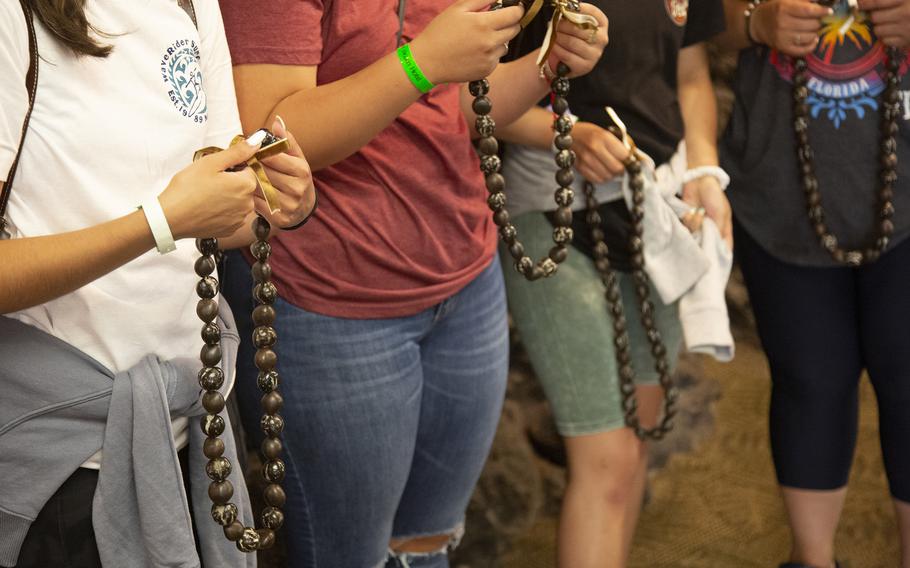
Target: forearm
514, 88
533, 128
698, 104
52, 266
335, 120
734, 38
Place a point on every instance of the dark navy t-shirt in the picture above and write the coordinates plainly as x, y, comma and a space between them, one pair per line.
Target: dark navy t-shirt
759, 147
637, 74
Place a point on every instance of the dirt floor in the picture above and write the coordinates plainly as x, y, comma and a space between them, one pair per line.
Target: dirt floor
717, 507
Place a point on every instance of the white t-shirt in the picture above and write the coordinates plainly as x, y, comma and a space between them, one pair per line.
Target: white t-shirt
105, 134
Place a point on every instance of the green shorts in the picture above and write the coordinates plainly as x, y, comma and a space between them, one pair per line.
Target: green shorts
567, 329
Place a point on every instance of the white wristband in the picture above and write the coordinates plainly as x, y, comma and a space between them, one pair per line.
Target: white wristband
161, 231
704, 171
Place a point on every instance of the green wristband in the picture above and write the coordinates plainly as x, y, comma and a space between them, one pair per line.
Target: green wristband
413, 70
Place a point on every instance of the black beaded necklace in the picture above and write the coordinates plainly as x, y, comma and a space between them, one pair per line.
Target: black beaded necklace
490, 163
887, 161
610, 280
211, 379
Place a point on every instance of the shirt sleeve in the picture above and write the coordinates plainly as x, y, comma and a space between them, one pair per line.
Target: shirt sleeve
281, 32
14, 61
217, 76
706, 20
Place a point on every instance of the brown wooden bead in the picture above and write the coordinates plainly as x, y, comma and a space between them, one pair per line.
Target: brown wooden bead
213, 402
212, 425
272, 402
207, 246
267, 381
210, 355
488, 145
220, 492
482, 105
563, 217
563, 141
272, 518
261, 228
234, 531
218, 469
266, 292
263, 315
484, 125
249, 540
210, 378
479, 88
207, 287
211, 335
213, 448
205, 265
273, 470
496, 201
224, 515
266, 538
274, 495
261, 271
501, 217
266, 359
558, 254
271, 448
264, 336
261, 250
207, 310
272, 425
495, 182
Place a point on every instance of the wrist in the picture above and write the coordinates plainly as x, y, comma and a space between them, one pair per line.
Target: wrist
418, 66
714, 172
754, 30
158, 225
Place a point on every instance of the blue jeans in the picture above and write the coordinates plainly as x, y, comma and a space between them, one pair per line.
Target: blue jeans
388, 421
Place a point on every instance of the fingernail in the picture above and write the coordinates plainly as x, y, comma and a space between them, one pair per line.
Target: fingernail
256, 138
281, 122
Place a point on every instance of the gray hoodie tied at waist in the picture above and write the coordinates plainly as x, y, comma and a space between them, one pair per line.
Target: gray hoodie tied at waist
59, 406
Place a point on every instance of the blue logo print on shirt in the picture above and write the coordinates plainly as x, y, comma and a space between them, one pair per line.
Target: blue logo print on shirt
183, 79
847, 69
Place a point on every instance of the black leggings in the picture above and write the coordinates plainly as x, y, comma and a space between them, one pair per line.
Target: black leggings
62, 536
820, 328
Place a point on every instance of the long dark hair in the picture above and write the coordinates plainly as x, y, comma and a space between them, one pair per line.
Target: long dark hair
66, 21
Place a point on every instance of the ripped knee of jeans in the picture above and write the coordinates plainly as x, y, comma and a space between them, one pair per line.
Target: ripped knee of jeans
410, 551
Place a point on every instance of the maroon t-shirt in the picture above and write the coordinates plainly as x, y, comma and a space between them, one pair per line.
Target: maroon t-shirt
403, 223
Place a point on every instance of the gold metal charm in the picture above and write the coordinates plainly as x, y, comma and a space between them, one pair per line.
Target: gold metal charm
272, 146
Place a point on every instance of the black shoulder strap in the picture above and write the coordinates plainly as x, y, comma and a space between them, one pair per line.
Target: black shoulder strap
190, 10
31, 83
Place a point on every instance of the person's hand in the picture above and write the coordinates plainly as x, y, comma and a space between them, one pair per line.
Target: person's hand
599, 155
466, 41
706, 193
203, 200
290, 174
576, 47
789, 26
890, 20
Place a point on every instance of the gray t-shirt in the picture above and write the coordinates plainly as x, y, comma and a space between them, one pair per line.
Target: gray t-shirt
759, 147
